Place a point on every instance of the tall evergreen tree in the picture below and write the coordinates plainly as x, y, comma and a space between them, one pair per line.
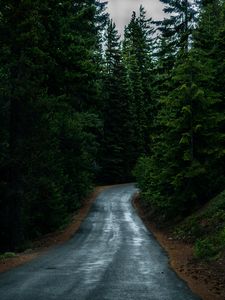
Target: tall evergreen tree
183, 152
118, 140
50, 94
21, 36
206, 46
137, 55
187, 147
177, 28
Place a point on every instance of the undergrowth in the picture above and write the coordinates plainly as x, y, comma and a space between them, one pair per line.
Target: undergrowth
206, 229
7, 255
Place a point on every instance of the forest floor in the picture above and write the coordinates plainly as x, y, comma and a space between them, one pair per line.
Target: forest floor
52, 239
205, 279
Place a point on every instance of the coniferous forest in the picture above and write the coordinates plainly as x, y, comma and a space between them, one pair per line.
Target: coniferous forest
80, 106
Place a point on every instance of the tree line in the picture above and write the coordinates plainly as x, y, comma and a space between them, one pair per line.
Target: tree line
50, 87
185, 165
80, 105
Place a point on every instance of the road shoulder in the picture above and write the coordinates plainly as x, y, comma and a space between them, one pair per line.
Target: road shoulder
202, 278
52, 239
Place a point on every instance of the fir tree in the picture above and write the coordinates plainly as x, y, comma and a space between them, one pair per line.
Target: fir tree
137, 55
118, 140
50, 93
187, 150
178, 27
183, 154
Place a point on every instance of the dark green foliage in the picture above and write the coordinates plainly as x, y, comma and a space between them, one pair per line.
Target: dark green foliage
77, 103
128, 97
116, 160
7, 255
188, 143
179, 24
137, 56
49, 102
182, 153
206, 229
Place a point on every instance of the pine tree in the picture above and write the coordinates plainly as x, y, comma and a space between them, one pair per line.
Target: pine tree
205, 43
137, 55
183, 152
187, 149
118, 139
178, 27
50, 91
219, 51
20, 37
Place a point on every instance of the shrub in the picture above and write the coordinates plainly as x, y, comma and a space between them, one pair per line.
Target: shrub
7, 255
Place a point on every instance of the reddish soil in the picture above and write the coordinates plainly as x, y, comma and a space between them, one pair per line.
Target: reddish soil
205, 279
52, 239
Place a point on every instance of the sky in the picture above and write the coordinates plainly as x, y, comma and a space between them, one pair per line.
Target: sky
121, 10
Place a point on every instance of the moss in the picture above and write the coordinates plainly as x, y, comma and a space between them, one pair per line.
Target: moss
206, 229
210, 247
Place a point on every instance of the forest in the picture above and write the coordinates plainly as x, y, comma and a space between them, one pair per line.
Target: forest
80, 106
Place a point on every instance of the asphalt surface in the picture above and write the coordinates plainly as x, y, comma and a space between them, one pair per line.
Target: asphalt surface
113, 256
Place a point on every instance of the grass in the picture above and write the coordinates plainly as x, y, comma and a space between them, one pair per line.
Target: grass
206, 229
7, 255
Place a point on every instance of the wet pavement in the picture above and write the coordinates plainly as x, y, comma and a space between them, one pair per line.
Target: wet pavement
113, 256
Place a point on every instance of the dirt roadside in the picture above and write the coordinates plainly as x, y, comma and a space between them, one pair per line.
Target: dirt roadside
206, 280
44, 243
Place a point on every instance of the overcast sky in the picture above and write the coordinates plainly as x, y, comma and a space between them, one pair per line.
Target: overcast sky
121, 10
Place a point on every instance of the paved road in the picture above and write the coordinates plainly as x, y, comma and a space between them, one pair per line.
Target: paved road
112, 257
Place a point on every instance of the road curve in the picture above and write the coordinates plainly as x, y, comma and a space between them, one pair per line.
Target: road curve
113, 256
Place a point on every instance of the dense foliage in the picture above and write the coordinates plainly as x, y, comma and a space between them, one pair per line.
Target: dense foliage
128, 98
185, 167
49, 86
206, 229
78, 104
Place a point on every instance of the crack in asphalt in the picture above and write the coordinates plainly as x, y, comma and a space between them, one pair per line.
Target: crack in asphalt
112, 257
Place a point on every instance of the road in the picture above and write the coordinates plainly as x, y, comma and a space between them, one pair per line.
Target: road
113, 256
